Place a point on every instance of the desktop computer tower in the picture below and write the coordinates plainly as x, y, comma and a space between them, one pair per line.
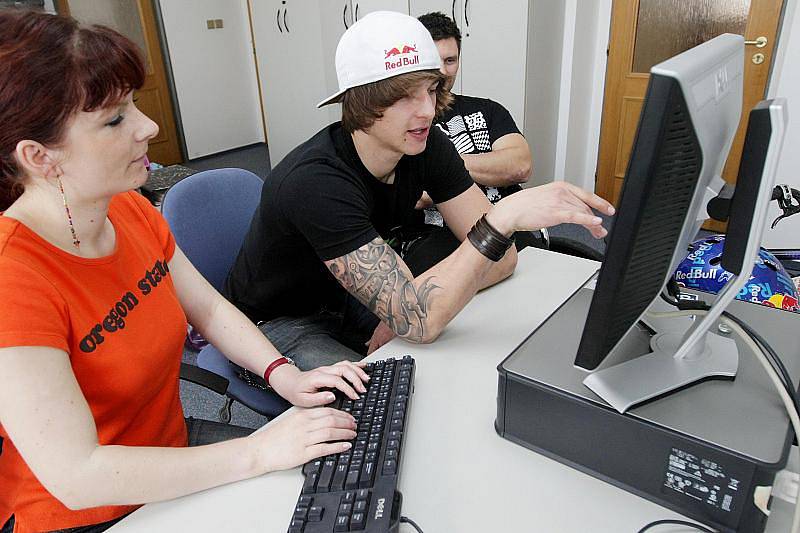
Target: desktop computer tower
702, 451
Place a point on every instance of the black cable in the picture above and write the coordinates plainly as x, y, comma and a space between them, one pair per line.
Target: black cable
414, 524
698, 527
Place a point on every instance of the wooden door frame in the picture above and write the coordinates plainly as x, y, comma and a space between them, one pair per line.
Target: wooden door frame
624, 18
158, 64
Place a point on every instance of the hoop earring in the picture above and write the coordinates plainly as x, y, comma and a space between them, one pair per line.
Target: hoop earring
75, 241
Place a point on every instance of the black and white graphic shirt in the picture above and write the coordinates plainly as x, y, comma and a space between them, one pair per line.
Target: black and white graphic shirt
473, 125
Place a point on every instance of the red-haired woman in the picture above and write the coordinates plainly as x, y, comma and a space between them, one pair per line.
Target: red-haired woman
95, 297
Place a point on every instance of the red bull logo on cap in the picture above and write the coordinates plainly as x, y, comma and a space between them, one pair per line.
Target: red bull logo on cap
396, 57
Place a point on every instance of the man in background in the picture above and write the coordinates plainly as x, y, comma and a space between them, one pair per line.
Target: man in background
494, 151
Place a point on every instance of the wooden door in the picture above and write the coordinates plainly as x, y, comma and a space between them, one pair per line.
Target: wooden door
136, 21
646, 32
453, 9
493, 51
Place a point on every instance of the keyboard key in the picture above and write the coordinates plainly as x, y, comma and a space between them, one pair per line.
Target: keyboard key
362, 494
339, 477
300, 512
312, 466
389, 467
305, 500
351, 482
315, 513
296, 526
349, 496
358, 521
360, 506
346, 508
324, 481
310, 484
342, 523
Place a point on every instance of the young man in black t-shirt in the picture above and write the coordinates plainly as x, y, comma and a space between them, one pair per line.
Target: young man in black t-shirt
485, 135
315, 268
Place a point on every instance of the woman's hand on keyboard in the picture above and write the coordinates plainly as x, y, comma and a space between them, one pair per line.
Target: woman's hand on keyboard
304, 388
301, 435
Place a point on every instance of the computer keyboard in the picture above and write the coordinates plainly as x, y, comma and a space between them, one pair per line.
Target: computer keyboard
356, 490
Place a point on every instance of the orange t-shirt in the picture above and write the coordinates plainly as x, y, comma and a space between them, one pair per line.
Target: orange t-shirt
119, 319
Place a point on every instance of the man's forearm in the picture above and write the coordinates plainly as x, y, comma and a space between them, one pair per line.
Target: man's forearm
499, 168
416, 309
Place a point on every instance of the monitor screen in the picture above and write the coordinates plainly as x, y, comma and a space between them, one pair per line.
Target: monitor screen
689, 118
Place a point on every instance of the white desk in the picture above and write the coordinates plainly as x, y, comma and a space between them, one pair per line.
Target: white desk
458, 475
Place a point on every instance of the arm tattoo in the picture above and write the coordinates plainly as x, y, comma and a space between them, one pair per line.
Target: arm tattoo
373, 275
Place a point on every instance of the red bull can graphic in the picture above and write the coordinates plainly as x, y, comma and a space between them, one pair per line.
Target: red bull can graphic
401, 56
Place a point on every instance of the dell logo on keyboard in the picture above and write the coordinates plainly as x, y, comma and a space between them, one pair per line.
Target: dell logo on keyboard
379, 508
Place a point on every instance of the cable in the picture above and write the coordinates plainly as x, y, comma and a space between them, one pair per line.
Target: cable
698, 527
761, 354
409, 521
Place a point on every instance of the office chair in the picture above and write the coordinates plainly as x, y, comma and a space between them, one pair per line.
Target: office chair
209, 214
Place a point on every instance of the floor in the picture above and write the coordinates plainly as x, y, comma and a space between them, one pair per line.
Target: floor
254, 158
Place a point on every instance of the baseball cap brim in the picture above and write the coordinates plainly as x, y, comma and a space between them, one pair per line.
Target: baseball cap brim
337, 97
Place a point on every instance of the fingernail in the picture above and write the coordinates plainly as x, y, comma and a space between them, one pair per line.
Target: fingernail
346, 445
598, 220
331, 396
611, 210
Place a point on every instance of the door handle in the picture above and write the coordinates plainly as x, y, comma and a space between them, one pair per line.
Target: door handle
759, 42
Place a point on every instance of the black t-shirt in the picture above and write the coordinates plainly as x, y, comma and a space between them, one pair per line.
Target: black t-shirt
473, 125
320, 203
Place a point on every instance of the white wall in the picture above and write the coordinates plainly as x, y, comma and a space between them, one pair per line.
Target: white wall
543, 85
564, 88
214, 73
785, 81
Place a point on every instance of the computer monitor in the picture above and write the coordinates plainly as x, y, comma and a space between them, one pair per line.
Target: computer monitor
688, 121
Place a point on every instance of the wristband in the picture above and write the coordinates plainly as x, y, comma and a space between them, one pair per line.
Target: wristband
275, 364
488, 241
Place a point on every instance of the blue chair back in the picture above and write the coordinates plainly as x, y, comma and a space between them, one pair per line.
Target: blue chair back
209, 214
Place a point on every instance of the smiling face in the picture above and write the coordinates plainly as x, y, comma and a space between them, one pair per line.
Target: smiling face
404, 127
448, 51
103, 151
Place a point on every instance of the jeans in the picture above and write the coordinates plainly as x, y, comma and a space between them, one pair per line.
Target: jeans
200, 432
325, 337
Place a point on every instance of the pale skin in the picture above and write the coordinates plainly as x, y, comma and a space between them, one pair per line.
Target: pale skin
509, 162
418, 309
101, 155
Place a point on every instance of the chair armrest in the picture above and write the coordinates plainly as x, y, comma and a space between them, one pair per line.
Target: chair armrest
204, 378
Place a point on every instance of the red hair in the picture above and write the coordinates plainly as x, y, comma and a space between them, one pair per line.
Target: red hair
50, 68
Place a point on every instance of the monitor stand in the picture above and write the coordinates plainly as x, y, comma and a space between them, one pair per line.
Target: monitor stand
680, 356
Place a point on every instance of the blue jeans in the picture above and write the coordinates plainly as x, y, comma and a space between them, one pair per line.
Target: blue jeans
325, 337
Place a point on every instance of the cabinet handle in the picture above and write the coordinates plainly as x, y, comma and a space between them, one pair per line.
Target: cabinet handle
466, 15
356, 12
278, 20
344, 16
454, 11
284, 20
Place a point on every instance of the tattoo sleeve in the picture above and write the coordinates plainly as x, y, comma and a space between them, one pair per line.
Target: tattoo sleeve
373, 274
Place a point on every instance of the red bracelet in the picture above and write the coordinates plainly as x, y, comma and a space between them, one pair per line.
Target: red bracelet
272, 366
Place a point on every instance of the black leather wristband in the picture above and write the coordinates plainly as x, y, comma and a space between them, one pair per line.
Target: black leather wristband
488, 241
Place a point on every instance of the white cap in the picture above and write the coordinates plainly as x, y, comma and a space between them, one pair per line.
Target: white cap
381, 45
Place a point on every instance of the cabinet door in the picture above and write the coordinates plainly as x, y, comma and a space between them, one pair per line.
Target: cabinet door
362, 7
452, 8
493, 52
336, 16
290, 54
